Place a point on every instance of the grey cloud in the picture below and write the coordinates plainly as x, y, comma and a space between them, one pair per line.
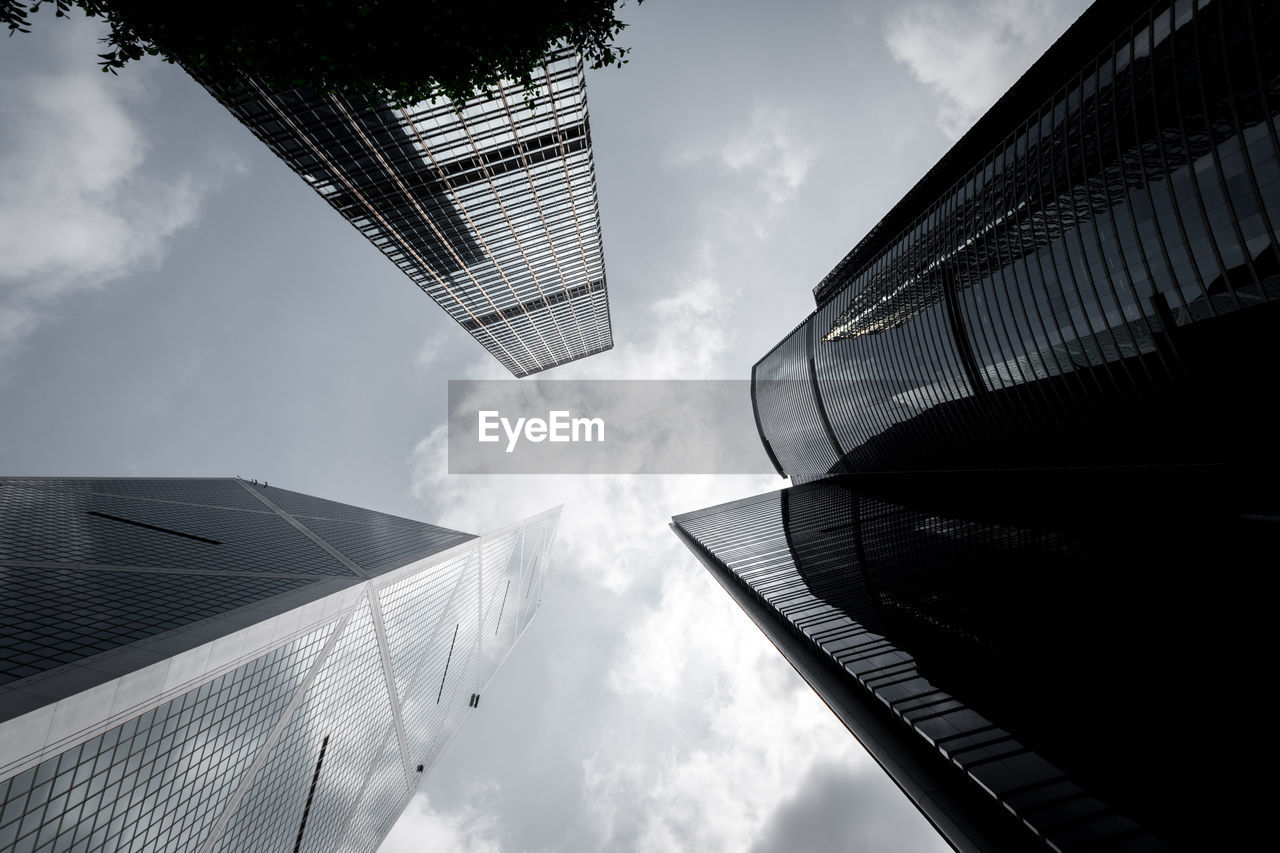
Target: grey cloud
842, 811
81, 206
969, 53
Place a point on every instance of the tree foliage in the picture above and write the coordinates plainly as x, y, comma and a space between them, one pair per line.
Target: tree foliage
403, 51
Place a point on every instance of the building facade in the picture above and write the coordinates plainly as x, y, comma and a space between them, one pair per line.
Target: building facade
1034, 672
1090, 276
489, 206
219, 665
1023, 428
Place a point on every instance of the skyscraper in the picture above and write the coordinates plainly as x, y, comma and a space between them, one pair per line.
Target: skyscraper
1034, 671
1089, 277
1018, 423
489, 206
213, 664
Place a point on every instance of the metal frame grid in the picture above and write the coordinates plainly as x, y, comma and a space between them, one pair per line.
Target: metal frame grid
490, 206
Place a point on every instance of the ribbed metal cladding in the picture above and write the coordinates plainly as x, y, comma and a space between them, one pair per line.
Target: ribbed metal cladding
490, 206
950, 628
1106, 265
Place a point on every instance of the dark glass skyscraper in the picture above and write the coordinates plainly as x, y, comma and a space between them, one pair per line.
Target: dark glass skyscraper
1089, 277
1035, 671
1025, 427
215, 665
489, 206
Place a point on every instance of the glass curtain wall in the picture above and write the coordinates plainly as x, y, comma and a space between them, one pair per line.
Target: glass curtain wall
489, 206
1110, 265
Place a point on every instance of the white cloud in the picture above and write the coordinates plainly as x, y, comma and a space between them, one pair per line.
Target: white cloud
601, 530
768, 156
755, 728
688, 336
422, 828
78, 209
429, 353
770, 147
611, 528
971, 52
746, 727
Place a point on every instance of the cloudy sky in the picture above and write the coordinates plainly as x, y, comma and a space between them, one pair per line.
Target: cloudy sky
175, 301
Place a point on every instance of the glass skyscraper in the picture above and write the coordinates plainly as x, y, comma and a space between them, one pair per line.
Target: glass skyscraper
1024, 428
1034, 671
219, 665
489, 206
1090, 276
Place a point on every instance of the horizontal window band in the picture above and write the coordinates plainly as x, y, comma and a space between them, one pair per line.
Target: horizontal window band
540, 303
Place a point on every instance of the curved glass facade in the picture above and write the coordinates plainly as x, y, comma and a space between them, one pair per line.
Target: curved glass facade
784, 392
1097, 288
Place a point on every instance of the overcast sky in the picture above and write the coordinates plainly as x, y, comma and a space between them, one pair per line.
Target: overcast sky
175, 301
